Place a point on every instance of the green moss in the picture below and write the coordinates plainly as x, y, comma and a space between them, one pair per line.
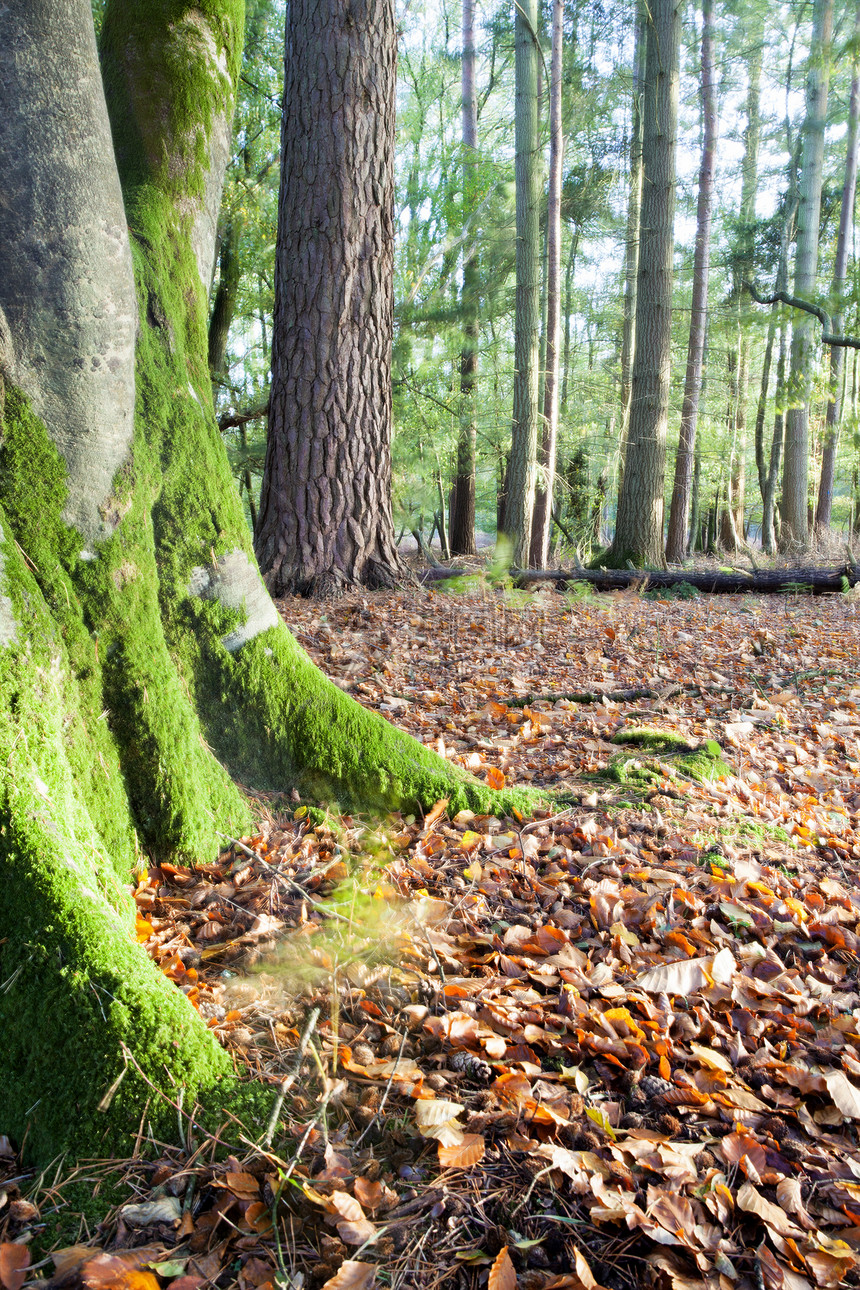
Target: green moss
81, 1003
660, 741
669, 755
169, 71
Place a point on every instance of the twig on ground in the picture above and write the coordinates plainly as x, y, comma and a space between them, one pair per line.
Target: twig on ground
289, 1080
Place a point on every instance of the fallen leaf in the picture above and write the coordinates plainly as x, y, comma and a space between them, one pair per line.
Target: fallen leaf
352, 1275
464, 1154
14, 1261
502, 1274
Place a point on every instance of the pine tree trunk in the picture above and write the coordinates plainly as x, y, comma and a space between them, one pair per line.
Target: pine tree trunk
639, 526
142, 662
463, 501
224, 304
634, 209
795, 487
833, 419
325, 518
679, 512
542, 518
521, 474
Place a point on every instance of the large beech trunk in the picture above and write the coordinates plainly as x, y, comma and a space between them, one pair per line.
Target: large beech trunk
142, 662
325, 507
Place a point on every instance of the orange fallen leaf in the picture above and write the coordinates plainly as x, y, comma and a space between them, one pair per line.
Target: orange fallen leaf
502, 1274
463, 1154
351, 1275
14, 1261
495, 777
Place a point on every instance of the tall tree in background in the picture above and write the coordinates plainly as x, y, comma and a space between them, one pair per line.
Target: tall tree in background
462, 539
634, 209
795, 486
732, 516
542, 518
840, 268
325, 508
521, 478
639, 526
679, 512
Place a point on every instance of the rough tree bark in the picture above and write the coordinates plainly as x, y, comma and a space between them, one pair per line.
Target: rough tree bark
463, 500
639, 526
325, 518
634, 210
542, 516
142, 662
795, 482
521, 475
679, 511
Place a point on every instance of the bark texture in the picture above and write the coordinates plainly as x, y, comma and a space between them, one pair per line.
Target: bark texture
795, 484
639, 526
325, 508
522, 469
66, 340
679, 512
542, 520
463, 499
833, 418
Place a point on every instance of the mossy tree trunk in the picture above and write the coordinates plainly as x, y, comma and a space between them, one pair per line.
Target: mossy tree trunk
142, 662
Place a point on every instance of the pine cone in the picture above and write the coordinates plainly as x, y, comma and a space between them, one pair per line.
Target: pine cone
652, 1086
472, 1066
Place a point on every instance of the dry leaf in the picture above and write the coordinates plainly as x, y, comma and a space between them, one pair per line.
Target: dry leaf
464, 1154
846, 1096
502, 1274
352, 1276
754, 1203
14, 1261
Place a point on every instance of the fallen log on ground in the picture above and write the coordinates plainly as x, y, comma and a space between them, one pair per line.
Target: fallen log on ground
803, 580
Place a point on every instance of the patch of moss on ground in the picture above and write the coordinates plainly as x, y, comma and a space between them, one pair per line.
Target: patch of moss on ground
666, 755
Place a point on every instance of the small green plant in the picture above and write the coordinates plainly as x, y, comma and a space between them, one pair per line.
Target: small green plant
677, 591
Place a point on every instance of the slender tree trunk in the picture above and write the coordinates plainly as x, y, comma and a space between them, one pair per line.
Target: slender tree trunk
639, 527
840, 269
542, 519
325, 518
463, 502
743, 272
768, 524
676, 541
795, 487
634, 208
224, 304
521, 474
568, 305
692, 536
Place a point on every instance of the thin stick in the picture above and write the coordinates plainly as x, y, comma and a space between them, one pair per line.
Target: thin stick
289, 1080
384, 1098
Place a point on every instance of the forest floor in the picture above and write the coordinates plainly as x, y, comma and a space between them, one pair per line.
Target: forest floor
616, 1044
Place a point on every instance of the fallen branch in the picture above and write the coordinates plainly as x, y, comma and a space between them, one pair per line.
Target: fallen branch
720, 581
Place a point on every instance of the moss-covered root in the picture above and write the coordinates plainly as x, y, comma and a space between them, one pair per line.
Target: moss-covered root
664, 749
286, 722
82, 1010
